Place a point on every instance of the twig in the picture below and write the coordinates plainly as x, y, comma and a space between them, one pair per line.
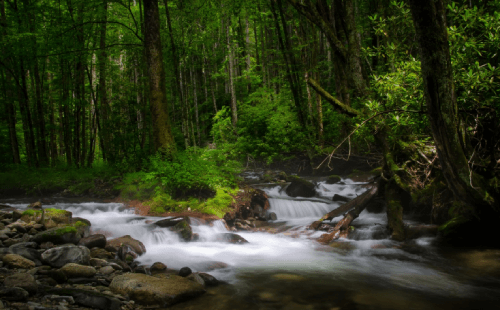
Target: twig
329, 157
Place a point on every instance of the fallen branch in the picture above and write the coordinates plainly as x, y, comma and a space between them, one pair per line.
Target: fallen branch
341, 107
354, 208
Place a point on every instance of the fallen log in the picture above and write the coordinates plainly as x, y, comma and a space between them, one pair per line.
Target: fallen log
356, 206
360, 201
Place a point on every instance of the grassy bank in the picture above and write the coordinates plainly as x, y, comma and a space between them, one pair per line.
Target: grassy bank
201, 180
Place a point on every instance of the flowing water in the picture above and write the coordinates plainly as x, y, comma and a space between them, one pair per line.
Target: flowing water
289, 270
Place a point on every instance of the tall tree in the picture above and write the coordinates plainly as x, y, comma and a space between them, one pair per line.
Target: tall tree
429, 18
162, 134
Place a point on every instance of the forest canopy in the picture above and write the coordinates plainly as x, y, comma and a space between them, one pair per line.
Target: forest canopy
412, 84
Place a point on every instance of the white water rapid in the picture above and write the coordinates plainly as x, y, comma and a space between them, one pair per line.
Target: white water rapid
368, 271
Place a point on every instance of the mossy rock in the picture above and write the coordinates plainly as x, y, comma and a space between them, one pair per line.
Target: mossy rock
300, 187
333, 179
50, 217
61, 235
184, 230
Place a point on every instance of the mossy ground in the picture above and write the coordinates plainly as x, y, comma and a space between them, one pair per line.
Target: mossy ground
218, 205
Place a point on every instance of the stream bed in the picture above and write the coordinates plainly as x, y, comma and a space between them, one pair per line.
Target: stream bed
289, 270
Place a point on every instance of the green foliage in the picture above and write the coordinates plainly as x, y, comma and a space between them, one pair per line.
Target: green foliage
218, 205
267, 127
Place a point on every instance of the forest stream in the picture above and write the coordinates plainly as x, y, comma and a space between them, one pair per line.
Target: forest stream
289, 270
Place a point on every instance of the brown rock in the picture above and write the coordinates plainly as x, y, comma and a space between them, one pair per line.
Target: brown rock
17, 261
136, 245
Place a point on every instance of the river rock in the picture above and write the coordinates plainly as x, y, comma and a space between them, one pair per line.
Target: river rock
23, 280
333, 179
136, 245
72, 270
107, 270
59, 256
272, 216
196, 278
209, 279
101, 253
230, 238
185, 271
300, 188
158, 267
89, 298
58, 235
171, 222
13, 294
17, 261
184, 230
93, 241
162, 290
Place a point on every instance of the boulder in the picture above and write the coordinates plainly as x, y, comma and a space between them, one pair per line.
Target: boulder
59, 235
333, 179
17, 261
93, 241
22, 280
72, 270
26, 252
62, 255
13, 294
230, 238
101, 253
171, 222
184, 230
300, 188
162, 290
136, 245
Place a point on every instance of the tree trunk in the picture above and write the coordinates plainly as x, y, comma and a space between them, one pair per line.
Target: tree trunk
104, 109
232, 88
162, 134
429, 18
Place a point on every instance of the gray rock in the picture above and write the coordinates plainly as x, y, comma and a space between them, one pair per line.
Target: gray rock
171, 222
230, 238
62, 255
58, 235
22, 280
300, 188
93, 241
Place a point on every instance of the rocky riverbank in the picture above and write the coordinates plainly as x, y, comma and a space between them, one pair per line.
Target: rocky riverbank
50, 261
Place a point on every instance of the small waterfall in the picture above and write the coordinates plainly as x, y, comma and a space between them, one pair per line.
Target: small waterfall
289, 209
219, 225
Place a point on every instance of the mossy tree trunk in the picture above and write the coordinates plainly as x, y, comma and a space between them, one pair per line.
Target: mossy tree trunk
162, 134
429, 18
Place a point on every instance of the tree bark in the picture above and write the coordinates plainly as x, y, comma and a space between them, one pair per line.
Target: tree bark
429, 18
162, 134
